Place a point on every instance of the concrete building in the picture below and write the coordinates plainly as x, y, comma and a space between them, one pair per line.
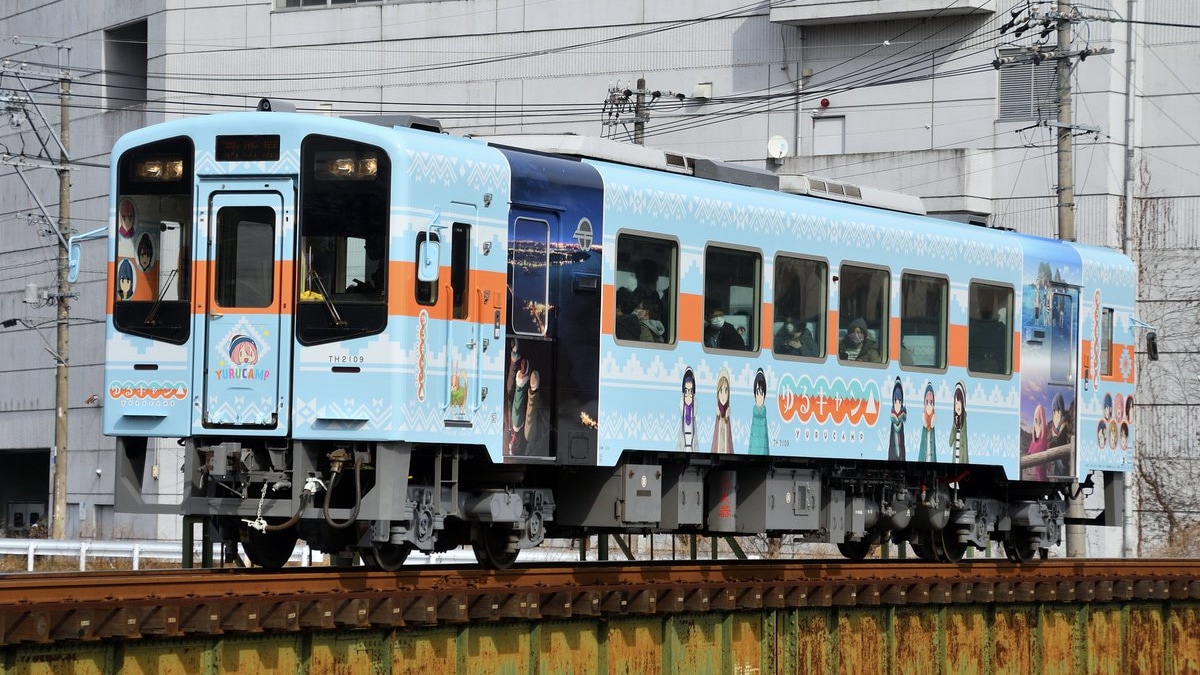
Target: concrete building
898, 95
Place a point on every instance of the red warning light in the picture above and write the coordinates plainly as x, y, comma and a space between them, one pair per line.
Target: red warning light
824, 103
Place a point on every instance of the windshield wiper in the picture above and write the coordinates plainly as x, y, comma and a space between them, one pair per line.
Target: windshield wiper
152, 316
324, 293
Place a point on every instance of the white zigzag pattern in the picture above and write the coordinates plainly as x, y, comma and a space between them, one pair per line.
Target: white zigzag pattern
288, 162
429, 167
674, 206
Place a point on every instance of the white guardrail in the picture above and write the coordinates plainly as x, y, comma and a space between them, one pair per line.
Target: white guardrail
88, 551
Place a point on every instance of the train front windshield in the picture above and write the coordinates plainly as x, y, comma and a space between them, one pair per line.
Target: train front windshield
343, 237
153, 254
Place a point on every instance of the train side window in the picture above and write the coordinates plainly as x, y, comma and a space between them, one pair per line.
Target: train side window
1106, 338
732, 298
529, 275
863, 314
426, 291
645, 289
923, 308
989, 329
460, 268
798, 325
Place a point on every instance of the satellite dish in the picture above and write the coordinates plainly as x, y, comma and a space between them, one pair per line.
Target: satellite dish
777, 147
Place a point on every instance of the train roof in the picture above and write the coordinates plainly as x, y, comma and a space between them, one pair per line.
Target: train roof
588, 147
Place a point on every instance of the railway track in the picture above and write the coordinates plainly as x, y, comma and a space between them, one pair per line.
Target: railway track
47, 608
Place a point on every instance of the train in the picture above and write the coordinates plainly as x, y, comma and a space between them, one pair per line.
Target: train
380, 338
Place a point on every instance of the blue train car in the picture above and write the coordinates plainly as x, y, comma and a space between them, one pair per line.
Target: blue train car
381, 338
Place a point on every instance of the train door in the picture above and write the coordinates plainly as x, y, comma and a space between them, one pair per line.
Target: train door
1064, 364
244, 344
464, 339
530, 386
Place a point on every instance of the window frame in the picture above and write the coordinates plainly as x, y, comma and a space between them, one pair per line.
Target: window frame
1010, 294
883, 335
820, 332
943, 337
754, 323
670, 316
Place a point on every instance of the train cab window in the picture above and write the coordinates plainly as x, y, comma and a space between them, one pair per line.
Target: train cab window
152, 286
529, 275
923, 311
798, 326
342, 235
863, 314
1106, 339
732, 298
989, 329
645, 289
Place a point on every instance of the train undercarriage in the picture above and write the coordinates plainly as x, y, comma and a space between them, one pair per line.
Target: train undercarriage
381, 501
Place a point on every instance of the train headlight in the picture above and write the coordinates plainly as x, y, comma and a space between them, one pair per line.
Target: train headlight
159, 169
360, 167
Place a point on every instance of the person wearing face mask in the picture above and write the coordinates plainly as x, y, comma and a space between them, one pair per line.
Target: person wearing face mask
719, 333
794, 339
857, 345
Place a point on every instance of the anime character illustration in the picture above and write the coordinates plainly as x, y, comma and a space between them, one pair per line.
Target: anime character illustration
145, 252
928, 439
1108, 406
126, 218
1119, 408
514, 385
687, 412
1124, 435
1129, 409
1060, 433
243, 351
722, 441
758, 416
958, 426
125, 286
1112, 434
1102, 435
537, 419
1039, 442
458, 392
899, 417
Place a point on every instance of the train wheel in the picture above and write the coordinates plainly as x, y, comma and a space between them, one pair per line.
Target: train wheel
923, 549
491, 546
1019, 547
385, 556
855, 550
947, 547
271, 549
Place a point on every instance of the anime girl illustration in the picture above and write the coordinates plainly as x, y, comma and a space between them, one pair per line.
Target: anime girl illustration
243, 351
687, 412
145, 252
722, 441
958, 426
125, 286
1038, 442
928, 439
126, 218
758, 416
1102, 435
899, 417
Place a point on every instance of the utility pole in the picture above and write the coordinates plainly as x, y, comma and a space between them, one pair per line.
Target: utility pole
62, 295
1059, 22
618, 104
58, 519
1066, 155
